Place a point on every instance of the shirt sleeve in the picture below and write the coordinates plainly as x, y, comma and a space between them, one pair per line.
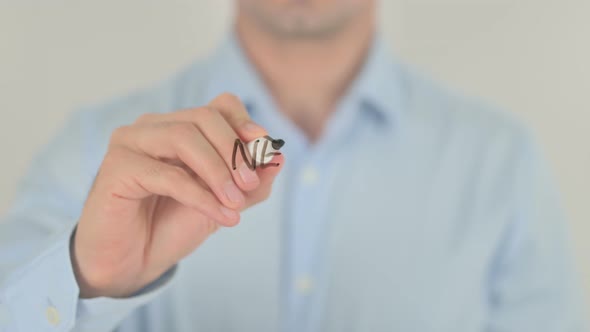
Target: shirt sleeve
533, 286
38, 289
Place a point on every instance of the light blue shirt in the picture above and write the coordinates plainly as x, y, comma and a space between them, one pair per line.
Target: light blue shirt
417, 210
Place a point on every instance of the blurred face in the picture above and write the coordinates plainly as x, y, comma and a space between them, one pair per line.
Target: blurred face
303, 18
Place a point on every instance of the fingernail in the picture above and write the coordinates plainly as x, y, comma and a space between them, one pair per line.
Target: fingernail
248, 176
233, 193
228, 212
252, 127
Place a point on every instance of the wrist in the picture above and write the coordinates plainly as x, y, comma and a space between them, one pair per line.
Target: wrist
91, 284
86, 291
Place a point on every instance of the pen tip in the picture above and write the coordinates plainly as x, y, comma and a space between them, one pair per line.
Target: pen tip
277, 143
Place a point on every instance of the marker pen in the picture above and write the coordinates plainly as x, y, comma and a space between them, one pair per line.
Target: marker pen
262, 149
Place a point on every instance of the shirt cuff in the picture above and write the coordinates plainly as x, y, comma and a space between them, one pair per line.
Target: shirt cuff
43, 294
104, 313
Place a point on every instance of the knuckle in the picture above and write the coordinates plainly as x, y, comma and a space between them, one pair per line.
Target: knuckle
229, 98
113, 156
231, 104
110, 171
119, 134
146, 118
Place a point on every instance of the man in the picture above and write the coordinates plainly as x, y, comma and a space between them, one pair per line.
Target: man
397, 205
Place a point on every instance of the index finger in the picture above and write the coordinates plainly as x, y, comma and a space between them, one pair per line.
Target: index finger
236, 115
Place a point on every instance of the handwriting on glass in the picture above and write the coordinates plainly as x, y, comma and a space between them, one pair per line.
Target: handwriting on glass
257, 160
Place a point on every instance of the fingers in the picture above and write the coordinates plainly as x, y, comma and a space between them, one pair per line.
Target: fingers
221, 122
204, 140
183, 141
267, 177
220, 134
143, 176
223, 138
235, 113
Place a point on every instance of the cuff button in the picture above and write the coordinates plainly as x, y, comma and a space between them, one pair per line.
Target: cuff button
52, 315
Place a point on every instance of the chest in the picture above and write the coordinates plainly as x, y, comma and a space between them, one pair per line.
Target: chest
398, 248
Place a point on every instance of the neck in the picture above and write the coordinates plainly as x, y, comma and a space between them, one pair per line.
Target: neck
307, 77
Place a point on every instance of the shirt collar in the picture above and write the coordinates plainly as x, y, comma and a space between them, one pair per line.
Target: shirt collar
376, 89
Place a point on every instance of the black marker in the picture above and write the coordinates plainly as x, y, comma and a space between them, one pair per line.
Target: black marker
264, 148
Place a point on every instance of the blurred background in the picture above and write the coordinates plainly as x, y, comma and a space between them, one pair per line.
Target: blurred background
527, 56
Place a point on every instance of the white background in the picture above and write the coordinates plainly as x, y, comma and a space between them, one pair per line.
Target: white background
528, 56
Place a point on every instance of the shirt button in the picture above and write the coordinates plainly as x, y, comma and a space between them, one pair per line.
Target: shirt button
310, 175
304, 285
52, 315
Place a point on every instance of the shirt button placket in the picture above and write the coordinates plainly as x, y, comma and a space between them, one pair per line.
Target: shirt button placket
304, 285
305, 237
310, 176
52, 314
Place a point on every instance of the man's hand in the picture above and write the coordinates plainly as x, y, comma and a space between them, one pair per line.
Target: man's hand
165, 184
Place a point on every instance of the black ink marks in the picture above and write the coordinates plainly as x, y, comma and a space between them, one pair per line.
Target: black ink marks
276, 144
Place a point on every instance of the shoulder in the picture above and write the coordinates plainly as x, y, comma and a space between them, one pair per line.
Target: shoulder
181, 90
469, 140
92, 125
455, 118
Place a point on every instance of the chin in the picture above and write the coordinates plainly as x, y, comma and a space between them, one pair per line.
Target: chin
298, 19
